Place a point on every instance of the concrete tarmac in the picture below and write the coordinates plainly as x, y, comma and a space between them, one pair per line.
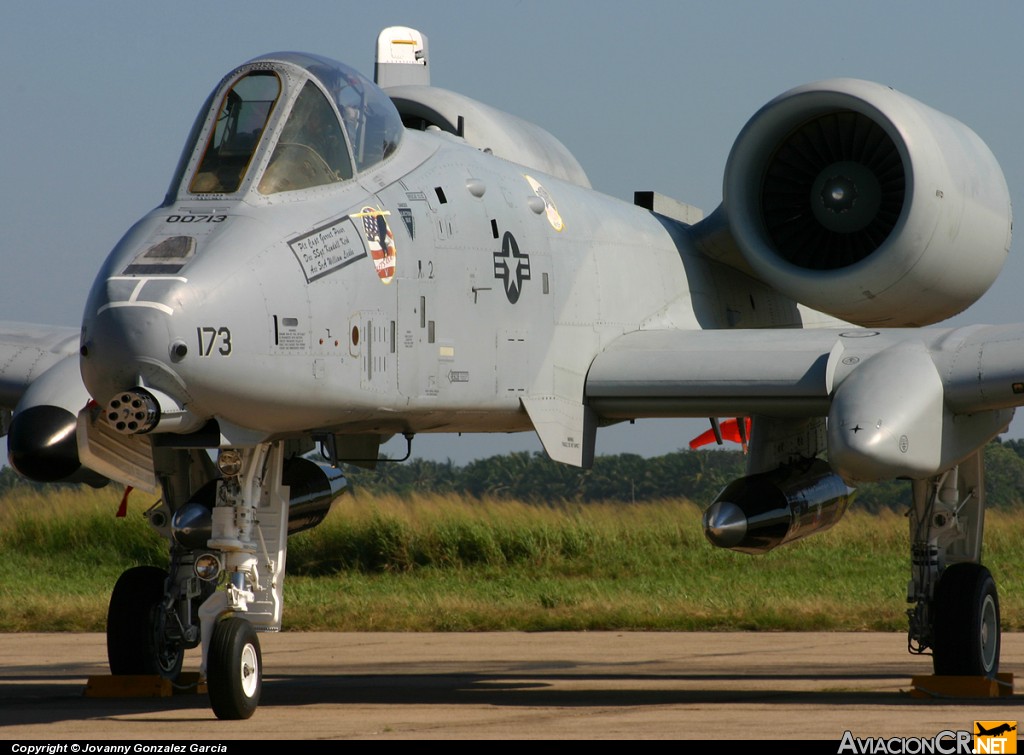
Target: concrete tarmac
561, 685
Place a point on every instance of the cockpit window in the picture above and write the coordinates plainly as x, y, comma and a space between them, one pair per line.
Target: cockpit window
311, 150
371, 120
240, 122
339, 123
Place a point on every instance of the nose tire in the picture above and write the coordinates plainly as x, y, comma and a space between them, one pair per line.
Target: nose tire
234, 669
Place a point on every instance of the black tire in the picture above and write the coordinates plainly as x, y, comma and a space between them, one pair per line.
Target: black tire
136, 642
966, 631
234, 669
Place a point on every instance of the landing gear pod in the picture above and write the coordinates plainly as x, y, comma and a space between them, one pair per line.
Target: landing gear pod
42, 444
757, 513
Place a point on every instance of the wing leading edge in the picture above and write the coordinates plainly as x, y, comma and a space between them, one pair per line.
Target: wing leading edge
899, 402
26, 352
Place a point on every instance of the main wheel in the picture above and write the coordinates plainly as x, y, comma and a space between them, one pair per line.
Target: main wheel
234, 669
136, 640
966, 622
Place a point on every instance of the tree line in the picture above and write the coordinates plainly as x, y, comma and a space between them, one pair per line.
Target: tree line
696, 475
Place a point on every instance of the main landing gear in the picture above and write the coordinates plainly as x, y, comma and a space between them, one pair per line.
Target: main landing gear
956, 607
966, 635
139, 640
229, 529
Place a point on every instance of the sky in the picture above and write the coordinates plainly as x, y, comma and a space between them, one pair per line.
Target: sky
97, 100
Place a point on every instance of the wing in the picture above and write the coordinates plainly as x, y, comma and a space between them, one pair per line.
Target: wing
898, 403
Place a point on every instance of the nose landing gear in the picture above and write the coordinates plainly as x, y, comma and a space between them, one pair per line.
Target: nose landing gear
235, 669
151, 620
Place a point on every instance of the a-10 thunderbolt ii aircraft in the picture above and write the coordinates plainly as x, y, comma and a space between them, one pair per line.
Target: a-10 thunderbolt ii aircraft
338, 261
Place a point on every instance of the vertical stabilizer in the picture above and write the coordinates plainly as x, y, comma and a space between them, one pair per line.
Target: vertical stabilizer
401, 57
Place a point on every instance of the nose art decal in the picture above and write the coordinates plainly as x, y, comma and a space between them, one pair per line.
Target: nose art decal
380, 240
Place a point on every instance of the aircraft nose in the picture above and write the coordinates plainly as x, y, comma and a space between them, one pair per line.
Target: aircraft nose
160, 341
128, 339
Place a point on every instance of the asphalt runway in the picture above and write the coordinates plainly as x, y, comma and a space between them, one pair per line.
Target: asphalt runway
563, 685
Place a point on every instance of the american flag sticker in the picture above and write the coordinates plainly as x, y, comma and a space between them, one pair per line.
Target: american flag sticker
380, 241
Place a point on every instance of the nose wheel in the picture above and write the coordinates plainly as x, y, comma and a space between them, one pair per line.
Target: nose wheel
234, 671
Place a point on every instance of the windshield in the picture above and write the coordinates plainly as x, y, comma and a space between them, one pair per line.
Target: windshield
371, 121
311, 150
243, 115
319, 121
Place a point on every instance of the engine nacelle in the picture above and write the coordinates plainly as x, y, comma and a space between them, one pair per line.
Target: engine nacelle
757, 513
862, 202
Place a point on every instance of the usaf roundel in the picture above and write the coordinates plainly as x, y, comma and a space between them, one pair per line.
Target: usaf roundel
511, 267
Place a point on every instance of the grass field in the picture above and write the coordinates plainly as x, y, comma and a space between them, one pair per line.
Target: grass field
454, 563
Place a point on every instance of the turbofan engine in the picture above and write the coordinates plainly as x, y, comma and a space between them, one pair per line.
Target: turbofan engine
863, 203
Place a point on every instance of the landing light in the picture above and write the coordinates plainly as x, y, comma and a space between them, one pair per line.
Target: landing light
207, 567
229, 462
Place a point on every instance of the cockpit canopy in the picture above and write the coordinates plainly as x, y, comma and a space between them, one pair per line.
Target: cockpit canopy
285, 122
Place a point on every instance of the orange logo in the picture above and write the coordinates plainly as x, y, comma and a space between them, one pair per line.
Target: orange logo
995, 737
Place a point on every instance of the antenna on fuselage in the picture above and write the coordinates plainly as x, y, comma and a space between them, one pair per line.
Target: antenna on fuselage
401, 58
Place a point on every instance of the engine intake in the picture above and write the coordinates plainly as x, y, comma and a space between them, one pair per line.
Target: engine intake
833, 191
